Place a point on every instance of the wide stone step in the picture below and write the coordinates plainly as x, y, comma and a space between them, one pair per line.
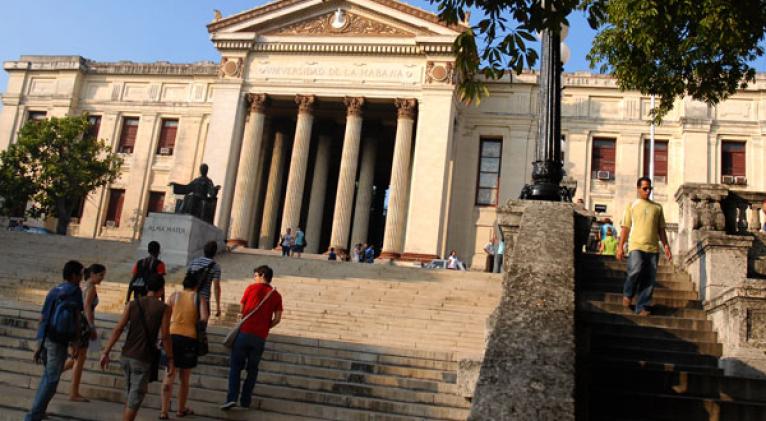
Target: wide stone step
656, 310
613, 403
641, 380
658, 292
659, 322
654, 356
607, 340
629, 363
616, 298
594, 282
651, 332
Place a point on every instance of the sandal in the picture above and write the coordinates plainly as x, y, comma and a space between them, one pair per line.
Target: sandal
184, 413
164, 417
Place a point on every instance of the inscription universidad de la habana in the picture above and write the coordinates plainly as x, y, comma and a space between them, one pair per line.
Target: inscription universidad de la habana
167, 229
366, 72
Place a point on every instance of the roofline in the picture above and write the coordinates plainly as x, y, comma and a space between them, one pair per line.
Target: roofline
281, 4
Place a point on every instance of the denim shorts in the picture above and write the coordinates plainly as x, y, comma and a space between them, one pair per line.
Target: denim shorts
136, 380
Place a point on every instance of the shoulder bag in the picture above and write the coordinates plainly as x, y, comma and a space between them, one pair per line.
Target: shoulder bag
232, 336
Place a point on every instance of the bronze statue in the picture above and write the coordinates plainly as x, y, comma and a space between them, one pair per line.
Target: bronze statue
200, 196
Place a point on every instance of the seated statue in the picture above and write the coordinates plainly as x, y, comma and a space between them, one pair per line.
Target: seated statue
200, 196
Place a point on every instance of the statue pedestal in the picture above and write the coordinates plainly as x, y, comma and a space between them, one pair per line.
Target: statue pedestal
181, 237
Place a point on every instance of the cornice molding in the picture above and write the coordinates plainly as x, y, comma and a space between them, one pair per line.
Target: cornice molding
354, 49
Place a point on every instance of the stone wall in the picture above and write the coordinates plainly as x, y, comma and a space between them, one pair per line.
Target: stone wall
528, 371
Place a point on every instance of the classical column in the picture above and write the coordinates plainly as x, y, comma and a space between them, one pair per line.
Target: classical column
318, 190
364, 193
296, 179
273, 190
247, 173
393, 240
344, 199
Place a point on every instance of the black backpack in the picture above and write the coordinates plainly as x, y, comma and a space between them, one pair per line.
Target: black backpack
144, 268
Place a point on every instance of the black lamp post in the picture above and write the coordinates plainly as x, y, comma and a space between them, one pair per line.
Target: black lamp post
547, 171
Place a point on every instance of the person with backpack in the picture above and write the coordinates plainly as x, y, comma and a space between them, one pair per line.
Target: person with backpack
94, 275
59, 327
143, 269
261, 309
146, 318
187, 310
209, 272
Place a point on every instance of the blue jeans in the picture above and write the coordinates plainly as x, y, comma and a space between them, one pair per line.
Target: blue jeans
56, 355
641, 278
246, 354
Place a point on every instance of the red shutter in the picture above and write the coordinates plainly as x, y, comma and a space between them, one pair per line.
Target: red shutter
116, 200
156, 202
660, 158
128, 134
95, 126
603, 155
167, 137
733, 159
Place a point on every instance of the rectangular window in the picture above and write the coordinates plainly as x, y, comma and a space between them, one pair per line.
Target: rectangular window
733, 159
167, 137
78, 209
660, 158
156, 202
36, 115
114, 211
128, 134
602, 162
488, 180
94, 122
563, 148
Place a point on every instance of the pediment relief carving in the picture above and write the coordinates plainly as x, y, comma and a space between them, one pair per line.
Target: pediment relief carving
342, 23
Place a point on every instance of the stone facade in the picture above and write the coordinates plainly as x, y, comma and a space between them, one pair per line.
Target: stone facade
388, 56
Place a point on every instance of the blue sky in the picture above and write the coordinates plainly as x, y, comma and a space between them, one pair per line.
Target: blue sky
151, 30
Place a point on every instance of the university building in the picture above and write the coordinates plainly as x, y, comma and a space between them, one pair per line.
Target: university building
341, 117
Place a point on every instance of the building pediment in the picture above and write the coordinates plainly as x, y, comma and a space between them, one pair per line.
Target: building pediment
388, 18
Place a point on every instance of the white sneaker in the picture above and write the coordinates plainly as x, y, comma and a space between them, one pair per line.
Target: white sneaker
228, 405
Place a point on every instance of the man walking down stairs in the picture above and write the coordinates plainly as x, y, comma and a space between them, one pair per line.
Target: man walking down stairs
661, 367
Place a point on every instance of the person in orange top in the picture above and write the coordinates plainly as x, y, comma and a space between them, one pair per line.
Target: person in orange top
251, 341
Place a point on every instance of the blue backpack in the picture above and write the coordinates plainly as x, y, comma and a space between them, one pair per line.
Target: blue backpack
62, 321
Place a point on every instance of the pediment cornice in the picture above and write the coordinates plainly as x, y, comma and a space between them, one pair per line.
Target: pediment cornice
340, 23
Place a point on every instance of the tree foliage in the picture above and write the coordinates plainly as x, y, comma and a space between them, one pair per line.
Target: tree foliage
54, 164
669, 48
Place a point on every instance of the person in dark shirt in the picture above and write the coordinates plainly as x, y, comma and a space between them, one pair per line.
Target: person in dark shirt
140, 348
53, 352
142, 269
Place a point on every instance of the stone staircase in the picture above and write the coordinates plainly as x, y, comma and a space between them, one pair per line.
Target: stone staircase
660, 367
357, 341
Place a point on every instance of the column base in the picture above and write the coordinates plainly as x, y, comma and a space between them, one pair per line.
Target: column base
389, 255
236, 243
417, 257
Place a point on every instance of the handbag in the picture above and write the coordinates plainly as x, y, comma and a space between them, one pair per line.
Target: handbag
154, 353
231, 337
203, 347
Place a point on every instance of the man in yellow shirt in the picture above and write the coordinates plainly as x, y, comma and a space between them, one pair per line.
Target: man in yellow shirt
644, 224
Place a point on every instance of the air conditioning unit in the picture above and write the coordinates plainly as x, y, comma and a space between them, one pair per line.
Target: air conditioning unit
727, 179
166, 151
603, 175
660, 179
740, 180
110, 224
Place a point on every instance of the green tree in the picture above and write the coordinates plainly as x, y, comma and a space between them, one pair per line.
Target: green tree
669, 48
54, 164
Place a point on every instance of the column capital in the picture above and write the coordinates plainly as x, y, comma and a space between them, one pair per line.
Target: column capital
354, 105
406, 107
257, 102
305, 103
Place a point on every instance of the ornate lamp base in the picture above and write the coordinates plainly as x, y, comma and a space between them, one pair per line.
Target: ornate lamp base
546, 179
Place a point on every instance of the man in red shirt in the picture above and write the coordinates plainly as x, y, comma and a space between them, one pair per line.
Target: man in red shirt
266, 303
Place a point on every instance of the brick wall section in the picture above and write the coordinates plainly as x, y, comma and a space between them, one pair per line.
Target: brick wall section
528, 372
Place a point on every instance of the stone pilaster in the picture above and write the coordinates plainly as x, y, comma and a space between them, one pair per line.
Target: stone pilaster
273, 190
364, 194
247, 173
344, 199
393, 240
296, 179
318, 190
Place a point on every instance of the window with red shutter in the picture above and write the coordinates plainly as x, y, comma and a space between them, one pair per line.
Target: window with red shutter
94, 122
114, 210
167, 137
488, 179
78, 209
128, 134
733, 159
156, 202
660, 158
602, 158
